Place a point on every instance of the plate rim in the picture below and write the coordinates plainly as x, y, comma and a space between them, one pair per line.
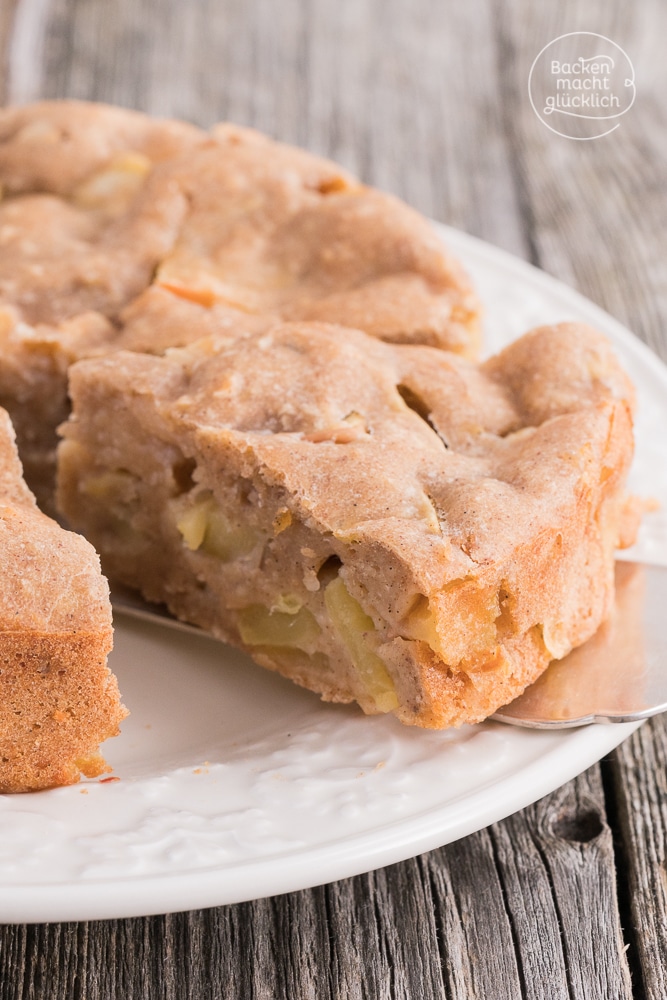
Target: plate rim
347, 857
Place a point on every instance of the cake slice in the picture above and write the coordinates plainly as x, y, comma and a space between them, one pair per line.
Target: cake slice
58, 699
384, 524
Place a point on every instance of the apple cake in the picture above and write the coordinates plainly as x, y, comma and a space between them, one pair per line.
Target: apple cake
387, 524
108, 215
58, 699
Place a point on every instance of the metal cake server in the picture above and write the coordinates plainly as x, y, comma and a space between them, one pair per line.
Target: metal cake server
620, 675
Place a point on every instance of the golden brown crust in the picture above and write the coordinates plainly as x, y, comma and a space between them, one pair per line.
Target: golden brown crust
470, 521
58, 699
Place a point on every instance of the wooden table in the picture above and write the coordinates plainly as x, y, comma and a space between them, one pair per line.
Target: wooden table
428, 100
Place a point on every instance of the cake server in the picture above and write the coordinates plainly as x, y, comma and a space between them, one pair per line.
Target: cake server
620, 675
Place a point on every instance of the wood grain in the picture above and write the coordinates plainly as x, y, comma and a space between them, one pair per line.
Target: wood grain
524, 909
426, 99
639, 774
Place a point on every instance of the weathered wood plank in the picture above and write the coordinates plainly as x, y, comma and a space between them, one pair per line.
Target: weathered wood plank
639, 774
532, 903
476, 940
597, 210
571, 836
597, 214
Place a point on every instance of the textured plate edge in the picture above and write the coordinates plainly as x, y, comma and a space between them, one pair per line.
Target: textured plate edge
346, 858
455, 238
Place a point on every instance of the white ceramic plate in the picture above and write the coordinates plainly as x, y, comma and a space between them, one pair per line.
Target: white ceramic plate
234, 784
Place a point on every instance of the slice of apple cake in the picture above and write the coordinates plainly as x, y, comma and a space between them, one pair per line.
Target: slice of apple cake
58, 699
387, 524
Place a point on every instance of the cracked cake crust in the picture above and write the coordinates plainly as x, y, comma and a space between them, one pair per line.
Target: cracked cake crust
387, 524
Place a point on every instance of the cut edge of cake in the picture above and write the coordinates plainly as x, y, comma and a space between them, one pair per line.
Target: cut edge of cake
58, 698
